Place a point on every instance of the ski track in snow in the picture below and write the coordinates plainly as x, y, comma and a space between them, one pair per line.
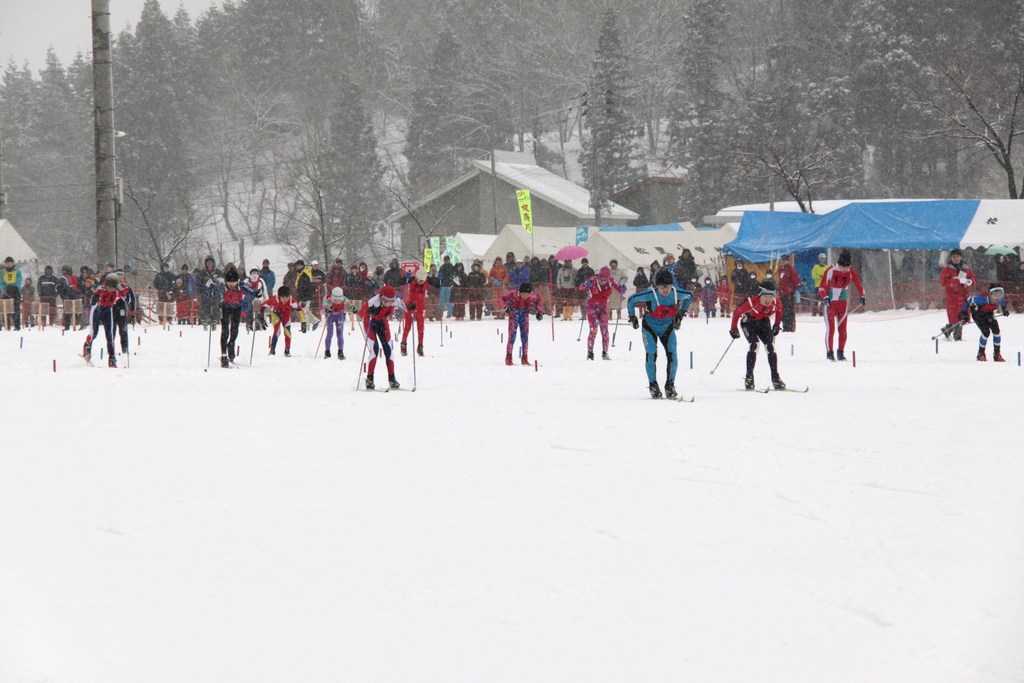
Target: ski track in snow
166, 523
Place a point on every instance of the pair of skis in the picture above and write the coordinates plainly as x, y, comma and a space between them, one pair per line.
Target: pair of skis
766, 390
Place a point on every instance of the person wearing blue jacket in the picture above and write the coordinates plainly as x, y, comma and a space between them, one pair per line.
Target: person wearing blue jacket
519, 274
983, 307
267, 275
667, 305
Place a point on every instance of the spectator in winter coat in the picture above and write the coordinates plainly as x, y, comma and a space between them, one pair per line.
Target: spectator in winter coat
12, 282
816, 273
565, 289
709, 297
789, 282
394, 275
71, 297
519, 274
640, 281
433, 294
615, 301
354, 286
48, 293
290, 276
685, 269
956, 279
445, 274
476, 290
304, 293
724, 295
459, 292
28, 300
499, 281
318, 278
209, 297
268, 276
335, 278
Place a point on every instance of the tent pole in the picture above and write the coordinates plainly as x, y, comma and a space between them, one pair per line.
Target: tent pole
892, 290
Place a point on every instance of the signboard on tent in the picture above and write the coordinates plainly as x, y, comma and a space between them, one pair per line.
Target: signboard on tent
453, 249
525, 209
582, 234
435, 248
428, 257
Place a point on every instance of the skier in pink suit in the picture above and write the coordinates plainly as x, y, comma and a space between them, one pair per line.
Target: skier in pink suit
599, 289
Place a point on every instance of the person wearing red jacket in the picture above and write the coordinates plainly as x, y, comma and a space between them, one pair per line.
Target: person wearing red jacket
760, 316
599, 290
281, 307
416, 304
956, 279
789, 282
833, 292
377, 310
102, 313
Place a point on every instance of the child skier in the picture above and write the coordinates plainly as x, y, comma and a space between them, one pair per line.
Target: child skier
417, 301
983, 307
255, 290
518, 303
231, 304
667, 305
599, 289
755, 316
832, 291
334, 307
102, 313
376, 312
281, 307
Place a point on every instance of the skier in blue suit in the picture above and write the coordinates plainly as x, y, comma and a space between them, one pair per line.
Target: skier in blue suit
666, 305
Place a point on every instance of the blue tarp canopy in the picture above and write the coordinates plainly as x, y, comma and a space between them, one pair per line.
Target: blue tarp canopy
938, 224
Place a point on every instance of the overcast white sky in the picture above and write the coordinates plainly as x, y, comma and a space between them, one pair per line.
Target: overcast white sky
29, 27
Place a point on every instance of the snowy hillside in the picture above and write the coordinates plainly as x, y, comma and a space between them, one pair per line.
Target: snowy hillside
270, 523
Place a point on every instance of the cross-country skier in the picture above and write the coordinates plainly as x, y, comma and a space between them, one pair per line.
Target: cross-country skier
956, 279
281, 307
983, 307
124, 309
599, 288
667, 304
416, 299
102, 313
760, 317
517, 304
833, 292
334, 306
377, 310
255, 289
231, 304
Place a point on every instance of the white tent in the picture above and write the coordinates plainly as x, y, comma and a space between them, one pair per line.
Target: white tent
544, 242
474, 246
633, 248
12, 244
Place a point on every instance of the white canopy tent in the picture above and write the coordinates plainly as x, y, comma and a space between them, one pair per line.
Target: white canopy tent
13, 245
635, 248
543, 243
474, 246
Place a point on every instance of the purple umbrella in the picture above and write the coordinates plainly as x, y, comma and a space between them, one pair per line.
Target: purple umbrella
571, 253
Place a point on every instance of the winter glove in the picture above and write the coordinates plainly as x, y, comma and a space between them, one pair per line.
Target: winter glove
863, 301
508, 309
412, 307
539, 315
497, 283
634, 322
1005, 311
776, 329
734, 333
963, 316
677, 320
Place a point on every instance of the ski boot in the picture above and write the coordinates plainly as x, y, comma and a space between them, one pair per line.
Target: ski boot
670, 390
524, 360
87, 352
369, 383
419, 350
655, 390
327, 354
778, 384
830, 355
958, 334
287, 353
840, 355
316, 325
303, 328
605, 356
981, 355
748, 382
996, 356
341, 356
404, 349
224, 362
111, 362
590, 355
124, 349
508, 359
393, 383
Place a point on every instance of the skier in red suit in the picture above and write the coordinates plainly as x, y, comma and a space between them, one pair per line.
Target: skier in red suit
833, 291
956, 278
376, 312
759, 316
416, 304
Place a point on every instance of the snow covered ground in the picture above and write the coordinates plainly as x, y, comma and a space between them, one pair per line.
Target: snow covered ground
269, 523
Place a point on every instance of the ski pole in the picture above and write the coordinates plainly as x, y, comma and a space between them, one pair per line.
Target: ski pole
362, 359
615, 331
209, 346
583, 319
252, 347
322, 330
723, 356
949, 329
415, 338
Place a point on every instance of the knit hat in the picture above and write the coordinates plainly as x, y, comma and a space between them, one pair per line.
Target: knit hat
604, 273
387, 292
111, 280
336, 293
844, 259
663, 277
525, 288
766, 287
231, 276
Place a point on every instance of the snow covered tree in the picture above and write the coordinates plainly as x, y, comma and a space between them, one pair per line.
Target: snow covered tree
609, 150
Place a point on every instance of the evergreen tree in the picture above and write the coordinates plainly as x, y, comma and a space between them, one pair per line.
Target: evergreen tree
608, 153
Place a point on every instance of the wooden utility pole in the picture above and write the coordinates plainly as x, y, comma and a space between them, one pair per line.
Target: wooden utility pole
103, 129
3, 193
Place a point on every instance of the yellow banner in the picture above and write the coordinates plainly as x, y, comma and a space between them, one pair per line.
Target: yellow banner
525, 209
427, 257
